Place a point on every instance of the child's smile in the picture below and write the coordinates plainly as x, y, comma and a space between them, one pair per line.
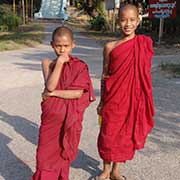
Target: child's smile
128, 22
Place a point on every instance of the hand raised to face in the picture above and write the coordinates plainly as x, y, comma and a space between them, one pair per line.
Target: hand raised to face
63, 58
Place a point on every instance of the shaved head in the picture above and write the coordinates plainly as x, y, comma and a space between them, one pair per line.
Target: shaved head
127, 7
62, 31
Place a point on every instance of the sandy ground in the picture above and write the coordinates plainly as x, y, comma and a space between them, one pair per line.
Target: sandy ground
21, 86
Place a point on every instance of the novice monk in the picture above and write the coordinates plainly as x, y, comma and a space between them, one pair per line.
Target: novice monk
126, 103
68, 91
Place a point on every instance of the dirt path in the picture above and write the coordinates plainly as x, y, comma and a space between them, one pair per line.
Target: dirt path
21, 85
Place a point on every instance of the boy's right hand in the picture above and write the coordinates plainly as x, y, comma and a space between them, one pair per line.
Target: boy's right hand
63, 58
44, 94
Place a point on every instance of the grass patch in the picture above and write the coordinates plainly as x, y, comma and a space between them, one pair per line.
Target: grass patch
173, 69
24, 36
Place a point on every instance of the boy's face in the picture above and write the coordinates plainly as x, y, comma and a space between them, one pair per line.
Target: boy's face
128, 21
62, 44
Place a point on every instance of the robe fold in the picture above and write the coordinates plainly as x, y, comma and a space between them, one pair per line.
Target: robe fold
61, 123
128, 104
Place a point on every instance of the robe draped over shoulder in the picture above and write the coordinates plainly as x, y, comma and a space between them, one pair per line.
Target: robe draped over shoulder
61, 123
128, 104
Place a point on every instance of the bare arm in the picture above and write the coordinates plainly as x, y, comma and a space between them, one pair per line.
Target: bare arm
46, 68
51, 76
106, 60
65, 94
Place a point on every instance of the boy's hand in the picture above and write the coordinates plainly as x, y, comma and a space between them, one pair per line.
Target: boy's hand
45, 94
63, 58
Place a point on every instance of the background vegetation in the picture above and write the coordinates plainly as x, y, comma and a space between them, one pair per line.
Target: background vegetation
14, 13
96, 8
16, 28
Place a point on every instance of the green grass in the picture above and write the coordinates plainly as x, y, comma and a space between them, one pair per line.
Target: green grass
174, 69
24, 36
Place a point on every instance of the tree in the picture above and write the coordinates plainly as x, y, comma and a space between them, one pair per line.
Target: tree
27, 10
14, 7
100, 6
23, 12
37, 5
32, 9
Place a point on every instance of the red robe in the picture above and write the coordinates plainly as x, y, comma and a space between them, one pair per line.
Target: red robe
128, 104
61, 124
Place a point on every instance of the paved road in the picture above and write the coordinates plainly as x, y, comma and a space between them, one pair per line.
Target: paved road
21, 85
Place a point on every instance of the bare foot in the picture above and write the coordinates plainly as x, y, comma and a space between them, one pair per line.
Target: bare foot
117, 176
103, 175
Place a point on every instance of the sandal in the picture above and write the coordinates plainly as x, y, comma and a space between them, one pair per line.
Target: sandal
122, 178
98, 178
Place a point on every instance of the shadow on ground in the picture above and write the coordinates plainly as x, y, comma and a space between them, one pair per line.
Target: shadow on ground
17, 169
87, 163
166, 133
23, 126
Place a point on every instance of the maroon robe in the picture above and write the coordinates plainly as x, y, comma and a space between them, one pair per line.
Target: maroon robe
61, 123
128, 104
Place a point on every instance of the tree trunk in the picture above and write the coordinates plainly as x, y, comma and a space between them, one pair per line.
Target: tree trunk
14, 7
23, 12
32, 9
27, 14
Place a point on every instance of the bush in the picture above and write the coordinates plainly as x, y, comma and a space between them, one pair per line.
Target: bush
98, 23
7, 18
5, 9
80, 4
13, 21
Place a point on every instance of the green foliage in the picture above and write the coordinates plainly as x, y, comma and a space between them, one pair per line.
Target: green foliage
12, 21
25, 36
80, 4
100, 6
5, 9
37, 3
8, 19
98, 23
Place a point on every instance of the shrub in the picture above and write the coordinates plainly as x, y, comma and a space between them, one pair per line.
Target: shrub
5, 9
12, 21
7, 18
80, 4
98, 23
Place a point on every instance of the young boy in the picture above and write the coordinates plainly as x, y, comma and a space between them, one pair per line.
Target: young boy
68, 91
126, 104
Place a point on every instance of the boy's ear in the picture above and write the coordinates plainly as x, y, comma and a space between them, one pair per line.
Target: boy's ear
139, 21
73, 44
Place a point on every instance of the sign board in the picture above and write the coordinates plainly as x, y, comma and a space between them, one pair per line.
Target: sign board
162, 8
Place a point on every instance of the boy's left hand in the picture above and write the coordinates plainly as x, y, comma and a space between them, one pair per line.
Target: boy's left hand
45, 94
